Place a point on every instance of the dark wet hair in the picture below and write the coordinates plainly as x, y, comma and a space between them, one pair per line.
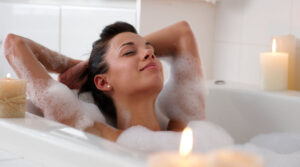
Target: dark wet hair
98, 65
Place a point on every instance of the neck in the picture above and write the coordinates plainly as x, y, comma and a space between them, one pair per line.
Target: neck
136, 111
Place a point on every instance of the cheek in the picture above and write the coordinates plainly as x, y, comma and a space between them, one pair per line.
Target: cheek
123, 74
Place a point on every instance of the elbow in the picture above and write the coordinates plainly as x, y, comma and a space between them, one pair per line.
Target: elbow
185, 29
10, 43
186, 39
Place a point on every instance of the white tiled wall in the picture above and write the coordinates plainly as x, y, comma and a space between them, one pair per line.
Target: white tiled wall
70, 30
36, 22
81, 26
244, 29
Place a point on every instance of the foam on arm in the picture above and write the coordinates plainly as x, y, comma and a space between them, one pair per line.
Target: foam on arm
55, 99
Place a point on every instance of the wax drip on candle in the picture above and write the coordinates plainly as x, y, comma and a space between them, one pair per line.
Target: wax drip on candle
274, 46
186, 142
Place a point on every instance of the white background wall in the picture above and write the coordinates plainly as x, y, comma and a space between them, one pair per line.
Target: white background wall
33, 21
231, 35
244, 29
69, 28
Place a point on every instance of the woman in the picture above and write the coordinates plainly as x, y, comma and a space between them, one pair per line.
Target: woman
124, 76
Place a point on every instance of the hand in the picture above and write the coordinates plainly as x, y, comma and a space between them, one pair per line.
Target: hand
72, 77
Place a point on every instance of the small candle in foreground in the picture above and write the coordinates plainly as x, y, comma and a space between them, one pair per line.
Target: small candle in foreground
230, 158
183, 159
12, 97
274, 69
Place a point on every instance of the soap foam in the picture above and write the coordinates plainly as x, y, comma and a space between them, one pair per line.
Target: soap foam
59, 103
271, 159
207, 136
182, 98
282, 143
142, 139
55, 61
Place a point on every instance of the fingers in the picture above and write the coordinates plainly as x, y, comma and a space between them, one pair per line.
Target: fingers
71, 77
77, 84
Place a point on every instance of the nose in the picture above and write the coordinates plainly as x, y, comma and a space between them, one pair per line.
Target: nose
149, 54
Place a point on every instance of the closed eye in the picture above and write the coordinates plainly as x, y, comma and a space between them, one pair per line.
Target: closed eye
129, 53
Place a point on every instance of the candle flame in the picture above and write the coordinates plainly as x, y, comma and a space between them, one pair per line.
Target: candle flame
186, 143
274, 46
8, 75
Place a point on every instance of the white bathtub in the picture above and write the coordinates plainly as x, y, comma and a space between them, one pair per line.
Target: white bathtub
246, 111
242, 110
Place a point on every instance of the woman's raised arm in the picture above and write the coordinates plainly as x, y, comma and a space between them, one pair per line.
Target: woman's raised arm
29, 60
182, 99
56, 100
175, 40
17, 46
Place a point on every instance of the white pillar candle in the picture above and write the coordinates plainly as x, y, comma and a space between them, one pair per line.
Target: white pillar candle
12, 98
274, 69
287, 43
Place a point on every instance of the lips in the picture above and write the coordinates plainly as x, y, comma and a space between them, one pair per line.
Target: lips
150, 65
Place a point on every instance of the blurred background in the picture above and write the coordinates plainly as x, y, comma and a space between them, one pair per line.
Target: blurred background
230, 33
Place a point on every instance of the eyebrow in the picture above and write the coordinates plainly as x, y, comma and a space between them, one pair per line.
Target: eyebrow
127, 43
131, 43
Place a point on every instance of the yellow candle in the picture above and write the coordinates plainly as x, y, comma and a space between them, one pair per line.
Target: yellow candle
169, 159
183, 159
12, 97
274, 69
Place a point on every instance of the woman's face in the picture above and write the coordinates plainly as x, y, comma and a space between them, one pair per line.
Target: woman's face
133, 66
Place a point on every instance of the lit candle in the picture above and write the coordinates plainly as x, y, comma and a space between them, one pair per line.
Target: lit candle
217, 158
183, 159
274, 69
12, 97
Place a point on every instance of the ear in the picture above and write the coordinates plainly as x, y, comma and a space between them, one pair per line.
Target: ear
101, 83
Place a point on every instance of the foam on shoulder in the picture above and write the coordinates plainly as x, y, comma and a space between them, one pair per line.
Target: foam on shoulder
207, 136
59, 103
